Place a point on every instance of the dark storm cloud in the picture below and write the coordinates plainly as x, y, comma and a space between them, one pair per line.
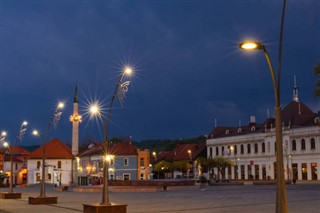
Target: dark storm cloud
189, 68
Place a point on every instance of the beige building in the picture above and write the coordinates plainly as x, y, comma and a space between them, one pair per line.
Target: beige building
253, 151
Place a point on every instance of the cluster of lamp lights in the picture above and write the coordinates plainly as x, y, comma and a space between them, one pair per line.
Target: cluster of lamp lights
95, 110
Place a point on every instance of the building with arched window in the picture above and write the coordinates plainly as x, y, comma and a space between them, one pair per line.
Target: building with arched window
257, 142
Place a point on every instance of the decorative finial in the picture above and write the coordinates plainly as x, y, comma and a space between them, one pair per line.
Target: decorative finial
295, 90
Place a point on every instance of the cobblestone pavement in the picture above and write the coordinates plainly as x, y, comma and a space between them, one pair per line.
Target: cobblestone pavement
302, 198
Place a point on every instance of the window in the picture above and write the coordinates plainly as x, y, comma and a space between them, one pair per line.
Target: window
210, 152
293, 145
38, 177
312, 144
227, 132
239, 130
235, 149
141, 176
303, 144
111, 177
255, 148
249, 148
126, 162
222, 150
16, 166
141, 161
126, 176
217, 151
253, 129
263, 148
59, 164
241, 149
38, 164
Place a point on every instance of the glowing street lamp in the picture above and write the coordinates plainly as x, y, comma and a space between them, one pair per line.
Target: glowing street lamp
3, 136
281, 199
120, 90
56, 115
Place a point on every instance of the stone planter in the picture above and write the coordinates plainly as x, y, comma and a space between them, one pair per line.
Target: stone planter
7, 195
100, 208
43, 200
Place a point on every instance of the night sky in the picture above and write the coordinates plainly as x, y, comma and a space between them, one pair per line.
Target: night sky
188, 69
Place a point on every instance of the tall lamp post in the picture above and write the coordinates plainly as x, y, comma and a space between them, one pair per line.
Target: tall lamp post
281, 198
20, 135
56, 115
119, 92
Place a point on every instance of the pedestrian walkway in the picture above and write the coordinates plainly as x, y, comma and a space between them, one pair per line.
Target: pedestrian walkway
192, 199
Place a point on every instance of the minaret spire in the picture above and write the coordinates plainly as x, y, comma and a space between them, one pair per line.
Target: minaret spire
75, 99
295, 90
75, 119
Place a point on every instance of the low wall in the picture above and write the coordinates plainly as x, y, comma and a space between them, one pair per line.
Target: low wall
151, 182
136, 186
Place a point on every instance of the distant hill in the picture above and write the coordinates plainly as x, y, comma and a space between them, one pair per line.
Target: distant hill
167, 144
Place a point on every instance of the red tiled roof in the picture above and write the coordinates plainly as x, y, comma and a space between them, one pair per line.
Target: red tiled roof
55, 149
180, 152
297, 114
19, 150
118, 148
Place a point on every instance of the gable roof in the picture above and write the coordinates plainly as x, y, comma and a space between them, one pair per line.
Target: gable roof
118, 148
55, 149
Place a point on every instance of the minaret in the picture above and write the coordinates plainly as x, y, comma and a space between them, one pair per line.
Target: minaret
75, 119
295, 90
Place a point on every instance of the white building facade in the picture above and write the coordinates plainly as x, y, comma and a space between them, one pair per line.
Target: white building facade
252, 148
58, 164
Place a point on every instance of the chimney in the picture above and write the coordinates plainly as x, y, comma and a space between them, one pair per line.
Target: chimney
252, 120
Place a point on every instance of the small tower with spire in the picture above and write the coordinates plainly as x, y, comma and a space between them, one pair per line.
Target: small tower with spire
295, 90
75, 119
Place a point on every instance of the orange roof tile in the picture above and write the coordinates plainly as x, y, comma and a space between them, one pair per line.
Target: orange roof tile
55, 149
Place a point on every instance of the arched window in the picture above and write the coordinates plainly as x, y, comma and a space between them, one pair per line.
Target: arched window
227, 132
303, 144
312, 144
263, 147
293, 145
217, 151
253, 128
38, 164
235, 149
255, 148
239, 130
241, 149
249, 148
59, 164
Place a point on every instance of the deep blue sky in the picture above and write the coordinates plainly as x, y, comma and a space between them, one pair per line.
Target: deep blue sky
189, 70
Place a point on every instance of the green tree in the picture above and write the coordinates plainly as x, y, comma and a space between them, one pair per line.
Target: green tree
221, 163
163, 166
316, 71
181, 166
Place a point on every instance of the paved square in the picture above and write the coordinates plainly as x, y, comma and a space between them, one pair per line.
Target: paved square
247, 198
